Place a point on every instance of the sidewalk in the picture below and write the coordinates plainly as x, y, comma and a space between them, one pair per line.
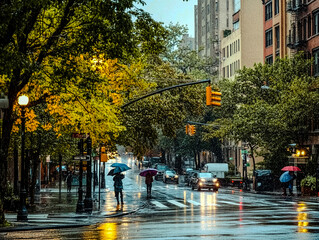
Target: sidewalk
51, 211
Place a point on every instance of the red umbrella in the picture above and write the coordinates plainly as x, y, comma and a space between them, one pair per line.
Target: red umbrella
291, 168
152, 171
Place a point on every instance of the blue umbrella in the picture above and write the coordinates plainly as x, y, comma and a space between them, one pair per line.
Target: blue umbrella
120, 167
285, 177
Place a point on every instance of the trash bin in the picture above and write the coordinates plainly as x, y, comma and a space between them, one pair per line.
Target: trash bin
264, 180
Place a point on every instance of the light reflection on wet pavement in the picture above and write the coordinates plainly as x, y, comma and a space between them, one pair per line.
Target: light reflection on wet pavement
177, 212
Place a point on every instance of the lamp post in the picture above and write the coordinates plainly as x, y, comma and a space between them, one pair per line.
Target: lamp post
22, 212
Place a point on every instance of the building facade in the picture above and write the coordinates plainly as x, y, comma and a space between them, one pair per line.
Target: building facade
212, 17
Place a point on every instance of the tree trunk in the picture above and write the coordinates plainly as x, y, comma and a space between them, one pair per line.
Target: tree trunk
5, 143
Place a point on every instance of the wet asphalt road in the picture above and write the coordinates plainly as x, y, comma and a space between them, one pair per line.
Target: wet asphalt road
177, 212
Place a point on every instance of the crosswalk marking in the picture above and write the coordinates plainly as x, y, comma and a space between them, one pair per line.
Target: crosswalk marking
193, 202
176, 203
231, 203
158, 204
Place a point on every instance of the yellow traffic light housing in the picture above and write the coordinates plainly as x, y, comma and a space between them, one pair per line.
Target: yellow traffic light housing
187, 129
216, 98
208, 96
213, 97
193, 130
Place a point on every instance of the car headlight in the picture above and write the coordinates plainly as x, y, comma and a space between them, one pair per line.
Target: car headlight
214, 180
176, 176
217, 184
200, 184
167, 176
202, 180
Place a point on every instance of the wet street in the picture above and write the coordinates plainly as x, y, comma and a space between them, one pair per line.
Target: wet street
177, 212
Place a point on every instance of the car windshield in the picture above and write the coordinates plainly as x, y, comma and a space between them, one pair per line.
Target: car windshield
205, 175
171, 172
161, 167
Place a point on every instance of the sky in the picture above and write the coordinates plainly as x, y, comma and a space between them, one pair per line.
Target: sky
175, 11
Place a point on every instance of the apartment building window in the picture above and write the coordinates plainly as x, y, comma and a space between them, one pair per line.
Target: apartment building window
277, 36
236, 25
316, 62
238, 45
268, 11
207, 9
309, 26
276, 7
227, 23
304, 29
236, 5
269, 59
216, 6
268, 37
227, 5
316, 23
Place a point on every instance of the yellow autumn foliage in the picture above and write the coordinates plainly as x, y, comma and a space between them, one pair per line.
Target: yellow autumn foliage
94, 110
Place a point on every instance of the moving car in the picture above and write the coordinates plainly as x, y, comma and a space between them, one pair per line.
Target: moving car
188, 176
170, 175
161, 168
204, 180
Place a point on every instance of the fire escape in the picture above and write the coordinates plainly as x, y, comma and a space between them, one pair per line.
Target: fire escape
296, 40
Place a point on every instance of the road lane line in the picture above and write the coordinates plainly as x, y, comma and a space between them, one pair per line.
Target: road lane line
158, 204
230, 203
176, 203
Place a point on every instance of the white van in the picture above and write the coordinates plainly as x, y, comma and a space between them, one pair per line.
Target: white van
217, 169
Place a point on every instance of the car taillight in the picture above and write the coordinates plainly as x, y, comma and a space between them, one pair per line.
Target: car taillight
232, 181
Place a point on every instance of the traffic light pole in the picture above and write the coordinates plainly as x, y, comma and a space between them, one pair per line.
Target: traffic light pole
80, 204
88, 202
165, 89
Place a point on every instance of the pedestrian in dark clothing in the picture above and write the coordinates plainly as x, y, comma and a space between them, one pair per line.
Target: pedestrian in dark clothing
118, 187
69, 182
148, 182
288, 184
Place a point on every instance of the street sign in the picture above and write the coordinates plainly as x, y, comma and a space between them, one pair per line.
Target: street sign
83, 158
79, 135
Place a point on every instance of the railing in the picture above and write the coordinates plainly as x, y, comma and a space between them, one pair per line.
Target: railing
296, 5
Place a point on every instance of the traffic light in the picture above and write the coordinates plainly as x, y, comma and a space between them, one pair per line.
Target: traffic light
216, 98
187, 129
103, 157
208, 96
193, 130
213, 97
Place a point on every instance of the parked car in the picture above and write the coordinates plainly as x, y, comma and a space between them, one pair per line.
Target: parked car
161, 168
188, 176
204, 180
170, 175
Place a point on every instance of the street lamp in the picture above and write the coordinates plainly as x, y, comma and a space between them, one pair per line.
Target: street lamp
22, 212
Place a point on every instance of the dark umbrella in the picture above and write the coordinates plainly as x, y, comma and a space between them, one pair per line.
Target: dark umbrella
151, 171
111, 173
291, 168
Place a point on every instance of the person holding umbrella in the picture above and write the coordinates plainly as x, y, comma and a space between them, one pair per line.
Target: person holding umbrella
286, 180
118, 187
148, 174
148, 182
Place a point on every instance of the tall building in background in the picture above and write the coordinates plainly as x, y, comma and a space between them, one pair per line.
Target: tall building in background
243, 45
188, 42
275, 24
303, 29
212, 17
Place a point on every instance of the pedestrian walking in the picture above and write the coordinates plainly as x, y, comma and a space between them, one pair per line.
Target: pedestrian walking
118, 187
69, 181
148, 182
286, 180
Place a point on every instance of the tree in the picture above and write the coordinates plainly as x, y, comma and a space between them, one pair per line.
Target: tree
269, 119
42, 43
